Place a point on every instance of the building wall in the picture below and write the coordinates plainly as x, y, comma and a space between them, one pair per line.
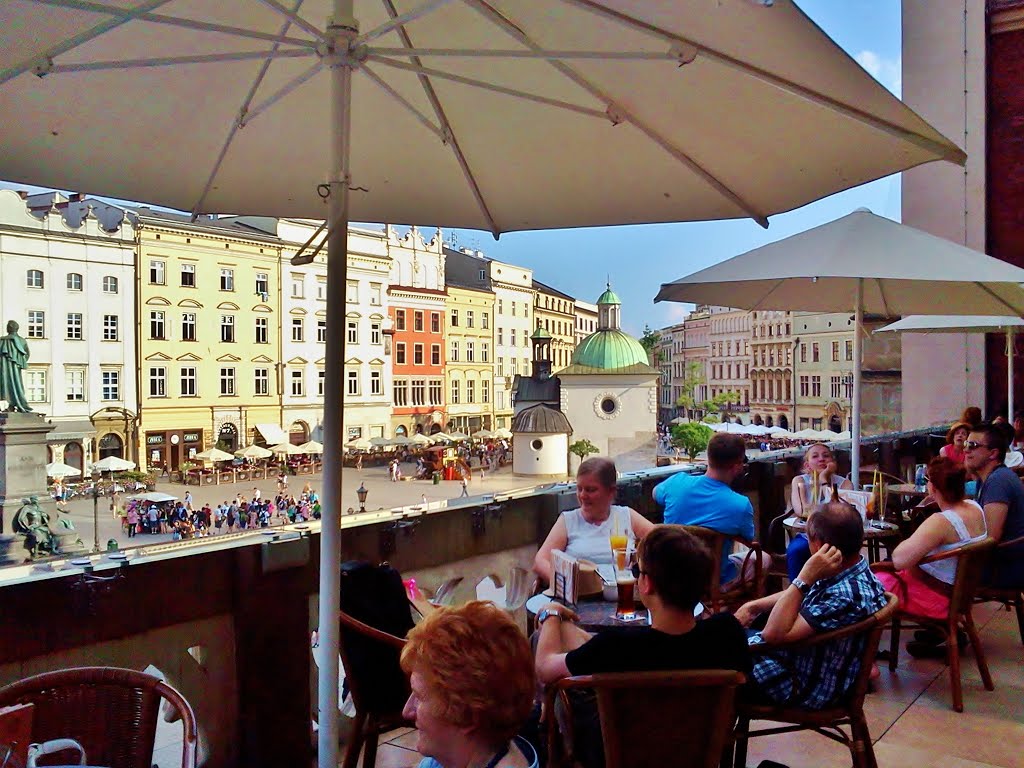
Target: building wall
540, 455
555, 312
697, 351
729, 359
823, 364
469, 372
771, 372
513, 299
630, 427
64, 380
944, 81
586, 319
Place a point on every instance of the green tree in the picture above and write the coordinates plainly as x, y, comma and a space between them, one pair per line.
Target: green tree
693, 377
720, 404
650, 341
582, 448
692, 438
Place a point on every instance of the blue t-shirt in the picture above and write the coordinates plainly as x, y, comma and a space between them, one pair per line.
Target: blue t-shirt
1002, 486
701, 500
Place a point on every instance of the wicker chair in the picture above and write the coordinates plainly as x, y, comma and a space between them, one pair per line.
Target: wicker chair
377, 710
972, 559
716, 599
828, 722
111, 712
1009, 596
652, 719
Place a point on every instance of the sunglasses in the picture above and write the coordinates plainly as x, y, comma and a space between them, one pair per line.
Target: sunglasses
635, 568
970, 445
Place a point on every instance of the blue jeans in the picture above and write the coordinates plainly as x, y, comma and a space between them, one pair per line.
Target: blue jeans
797, 553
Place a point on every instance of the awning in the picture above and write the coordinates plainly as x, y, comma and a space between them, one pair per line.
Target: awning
71, 430
272, 433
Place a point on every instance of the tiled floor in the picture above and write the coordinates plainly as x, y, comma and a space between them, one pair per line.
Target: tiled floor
910, 717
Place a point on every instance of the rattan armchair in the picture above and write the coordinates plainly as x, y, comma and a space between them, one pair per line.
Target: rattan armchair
651, 719
742, 590
971, 565
111, 712
828, 722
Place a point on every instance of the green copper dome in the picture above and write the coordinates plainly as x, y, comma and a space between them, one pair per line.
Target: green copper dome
609, 297
540, 333
609, 349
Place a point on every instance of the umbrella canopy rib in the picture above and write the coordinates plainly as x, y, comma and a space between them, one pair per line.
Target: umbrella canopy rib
71, 43
446, 126
881, 295
954, 154
423, 119
313, 29
616, 112
170, 61
473, 53
1018, 310
175, 21
399, 21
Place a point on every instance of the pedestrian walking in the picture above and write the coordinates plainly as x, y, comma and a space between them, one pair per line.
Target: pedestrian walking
465, 488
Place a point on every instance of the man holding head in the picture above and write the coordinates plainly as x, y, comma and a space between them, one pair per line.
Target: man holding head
835, 589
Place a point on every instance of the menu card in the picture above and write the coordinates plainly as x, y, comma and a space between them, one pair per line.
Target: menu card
859, 499
566, 576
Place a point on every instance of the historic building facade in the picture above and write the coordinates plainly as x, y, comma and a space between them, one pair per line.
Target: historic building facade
469, 371
513, 324
823, 368
555, 312
586, 319
729, 359
771, 370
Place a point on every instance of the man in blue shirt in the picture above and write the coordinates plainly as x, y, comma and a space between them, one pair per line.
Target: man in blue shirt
707, 500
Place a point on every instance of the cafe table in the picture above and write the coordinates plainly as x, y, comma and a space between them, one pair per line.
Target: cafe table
596, 613
877, 533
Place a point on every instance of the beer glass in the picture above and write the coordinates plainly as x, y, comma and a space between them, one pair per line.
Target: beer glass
625, 608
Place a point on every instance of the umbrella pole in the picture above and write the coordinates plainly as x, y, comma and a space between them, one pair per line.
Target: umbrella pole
341, 31
1010, 350
858, 341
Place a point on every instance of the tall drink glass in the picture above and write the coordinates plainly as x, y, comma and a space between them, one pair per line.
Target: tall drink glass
618, 540
625, 609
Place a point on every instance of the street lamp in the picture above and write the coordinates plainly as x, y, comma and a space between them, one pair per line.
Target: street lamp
361, 492
96, 474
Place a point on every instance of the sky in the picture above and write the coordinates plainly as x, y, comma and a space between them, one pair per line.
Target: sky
869, 30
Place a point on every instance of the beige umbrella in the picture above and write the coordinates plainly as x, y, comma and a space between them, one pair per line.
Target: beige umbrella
458, 436
287, 449
360, 444
441, 437
113, 464
420, 440
483, 434
312, 446
253, 452
60, 469
214, 454
503, 433
608, 112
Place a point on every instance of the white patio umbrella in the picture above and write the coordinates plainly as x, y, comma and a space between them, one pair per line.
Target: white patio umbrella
253, 452
214, 454
286, 448
113, 464
860, 263
441, 437
60, 469
483, 434
401, 440
359, 444
312, 446
420, 440
966, 324
458, 436
583, 97
380, 442
503, 433
154, 496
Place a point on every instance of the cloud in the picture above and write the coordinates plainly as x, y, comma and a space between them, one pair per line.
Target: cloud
889, 72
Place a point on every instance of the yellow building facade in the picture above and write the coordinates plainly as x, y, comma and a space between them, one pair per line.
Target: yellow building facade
555, 312
209, 346
469, 369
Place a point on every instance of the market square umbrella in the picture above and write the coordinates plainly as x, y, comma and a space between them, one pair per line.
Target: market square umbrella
253, 452
966, 324
113, 464
489, 114
60, 469
860, 263
214, 454
312, 446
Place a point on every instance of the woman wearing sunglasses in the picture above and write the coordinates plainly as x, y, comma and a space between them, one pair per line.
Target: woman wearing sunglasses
925, 589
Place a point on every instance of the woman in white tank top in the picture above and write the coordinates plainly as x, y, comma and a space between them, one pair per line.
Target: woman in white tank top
583, 532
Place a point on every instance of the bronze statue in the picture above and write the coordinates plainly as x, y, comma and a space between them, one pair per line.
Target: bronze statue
32, 522
13, 360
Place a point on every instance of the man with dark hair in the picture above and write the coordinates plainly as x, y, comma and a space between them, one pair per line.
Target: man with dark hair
835, 588
672, 568
708, 500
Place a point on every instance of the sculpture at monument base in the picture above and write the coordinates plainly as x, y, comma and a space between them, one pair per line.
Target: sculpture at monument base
13, 360
33, 523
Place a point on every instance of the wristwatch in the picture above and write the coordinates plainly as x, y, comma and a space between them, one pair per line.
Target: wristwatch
802, 585
545, 614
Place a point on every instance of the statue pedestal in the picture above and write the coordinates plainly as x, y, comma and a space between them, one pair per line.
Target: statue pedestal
23, 459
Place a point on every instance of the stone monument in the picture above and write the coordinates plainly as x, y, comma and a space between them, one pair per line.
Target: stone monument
23, 458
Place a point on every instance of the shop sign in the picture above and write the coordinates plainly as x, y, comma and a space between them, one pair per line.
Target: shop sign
154, 439
191, 437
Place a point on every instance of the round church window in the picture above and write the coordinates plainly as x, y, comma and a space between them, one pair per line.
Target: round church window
537, 444
608, 405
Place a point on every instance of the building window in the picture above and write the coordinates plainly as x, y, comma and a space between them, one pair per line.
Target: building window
485, 391
35, 385
158, 381
321, 289
454, 322
321, 382
419, 392
815, 386
74, 281
399, 319
400, 388
482, 274
262, 330
156, 325
417, 354
110, 284
400, 353
188, 326
374, 294
469, 318
435, 354
188, 382
849, 350
375, 333
485, 352
512, 337
227, 381
34, 278
417, 320
352, 291
836, 384
435, 322
74, 385
470, 391
803, 353
74, 325
376, 383
262, 380
298, 329
455, 392
188, 275
352, 332
835, 351
36, 324
436, 395
352, 382
513, 308
321, 331
263, 285
805, 386
227, 279
227, 328
156, 273
470, 351
454, 356
110, 388
485, 320
298, 288
815, 357
297, 389
501, 337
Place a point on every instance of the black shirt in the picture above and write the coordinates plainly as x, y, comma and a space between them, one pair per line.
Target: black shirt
718, 642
